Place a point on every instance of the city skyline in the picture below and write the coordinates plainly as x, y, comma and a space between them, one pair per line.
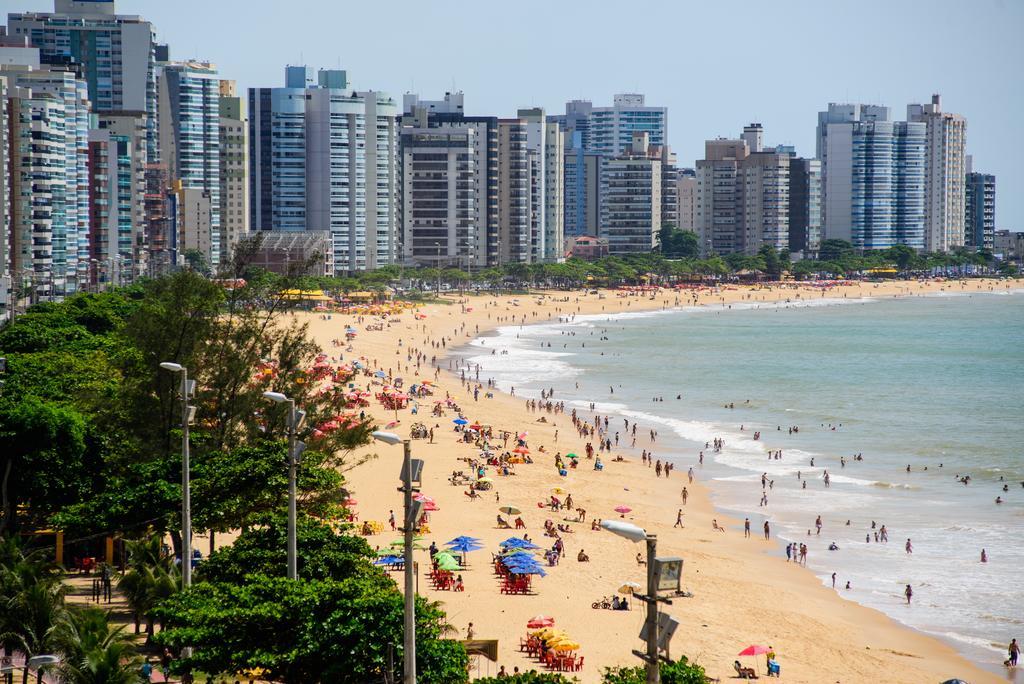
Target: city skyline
706, 99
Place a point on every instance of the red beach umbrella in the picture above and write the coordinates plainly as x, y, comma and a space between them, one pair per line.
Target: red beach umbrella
753, 650
540, 621
521, 450
623, 509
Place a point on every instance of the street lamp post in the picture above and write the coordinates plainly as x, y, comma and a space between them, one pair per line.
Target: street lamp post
637, 534
187, 389
295, 449
410, 468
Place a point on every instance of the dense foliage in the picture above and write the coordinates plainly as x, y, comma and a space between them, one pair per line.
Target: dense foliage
677, 258
86, 402
35, 620
335, 625
679, 672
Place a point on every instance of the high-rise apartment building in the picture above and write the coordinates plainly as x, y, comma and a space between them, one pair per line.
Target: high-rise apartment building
234, 170
686, 194
669, 185
743, 196
6, 278
582, 186
804, 205
449, 217
515, 225
325, 158
112, 195
128, 130
611, 129
631, 198
945, 168
48, 139
874, 176
189, 110
114, 54
575, 123
980, 210
545, 147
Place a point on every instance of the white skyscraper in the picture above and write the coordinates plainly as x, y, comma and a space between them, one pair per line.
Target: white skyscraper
945, 167
325, 158
545, 146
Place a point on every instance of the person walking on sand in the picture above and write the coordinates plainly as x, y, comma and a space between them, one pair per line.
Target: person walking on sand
685, 494
909, 547
909, 593
391, 519
679, 518
767, 530
833, 580
746, 528
1013, 651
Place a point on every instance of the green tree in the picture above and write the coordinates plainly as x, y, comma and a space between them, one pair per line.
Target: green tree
243, 613
678, 244
151, 578
833, 249
45, 461
95, 652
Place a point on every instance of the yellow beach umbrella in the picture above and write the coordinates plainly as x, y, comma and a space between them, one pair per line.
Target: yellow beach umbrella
558, 490
566, 646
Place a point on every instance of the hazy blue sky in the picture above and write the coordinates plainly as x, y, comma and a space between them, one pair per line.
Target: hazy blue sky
715, 64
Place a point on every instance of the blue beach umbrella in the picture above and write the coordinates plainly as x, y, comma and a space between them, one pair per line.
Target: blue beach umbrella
464, 546
381, 374
387, 560
463, 538
460, 421
518, 543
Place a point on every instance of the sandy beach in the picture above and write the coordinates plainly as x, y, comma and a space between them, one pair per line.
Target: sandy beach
743, 590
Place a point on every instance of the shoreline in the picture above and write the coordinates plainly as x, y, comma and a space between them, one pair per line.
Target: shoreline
818, 646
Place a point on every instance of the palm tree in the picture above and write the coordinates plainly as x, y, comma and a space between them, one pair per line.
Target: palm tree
151, 578
93, 652
31, 618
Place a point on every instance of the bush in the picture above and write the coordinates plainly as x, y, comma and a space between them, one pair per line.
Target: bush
680, 672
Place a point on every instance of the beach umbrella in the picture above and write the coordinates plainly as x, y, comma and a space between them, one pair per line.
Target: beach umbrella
485, 479
571, 455
753, 650
465, 546
629, 587
530, 570
430, 507
623, 509
460, 421
420, 496
388, 560
380, 374
462, 539
518, 543
566, 646
509, 510
520, 450
540, 621
447, 563
522, 435
558, 490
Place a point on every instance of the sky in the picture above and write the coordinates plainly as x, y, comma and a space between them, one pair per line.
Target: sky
716, 65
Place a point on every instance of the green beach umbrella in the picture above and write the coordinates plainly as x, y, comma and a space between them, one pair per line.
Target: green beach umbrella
447, 563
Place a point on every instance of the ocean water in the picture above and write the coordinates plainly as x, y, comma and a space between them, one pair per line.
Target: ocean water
931, 382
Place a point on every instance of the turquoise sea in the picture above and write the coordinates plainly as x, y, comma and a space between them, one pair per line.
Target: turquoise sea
931, 382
